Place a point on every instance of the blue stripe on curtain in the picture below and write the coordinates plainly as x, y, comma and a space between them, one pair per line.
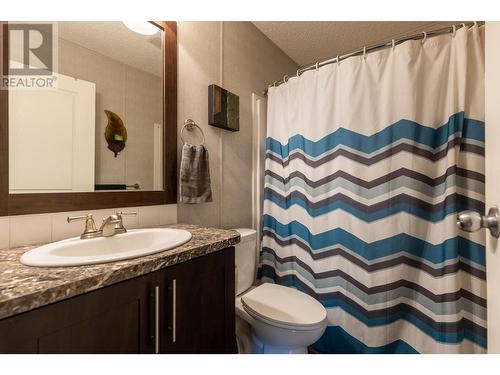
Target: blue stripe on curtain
346, 344
457, 125
449, 249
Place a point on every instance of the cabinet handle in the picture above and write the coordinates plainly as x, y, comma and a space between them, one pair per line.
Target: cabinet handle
157, 319
174, 309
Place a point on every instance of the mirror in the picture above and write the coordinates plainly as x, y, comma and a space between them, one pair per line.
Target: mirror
100, 126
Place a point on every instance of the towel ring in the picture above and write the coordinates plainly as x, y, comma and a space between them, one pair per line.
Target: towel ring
424, 38
190, 125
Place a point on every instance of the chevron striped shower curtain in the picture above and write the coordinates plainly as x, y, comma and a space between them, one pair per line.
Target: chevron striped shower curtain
367, 164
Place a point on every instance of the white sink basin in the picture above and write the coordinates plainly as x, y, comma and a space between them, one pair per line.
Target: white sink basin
133, 244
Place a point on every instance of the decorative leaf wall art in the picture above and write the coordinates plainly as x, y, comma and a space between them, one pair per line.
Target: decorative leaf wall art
115, 133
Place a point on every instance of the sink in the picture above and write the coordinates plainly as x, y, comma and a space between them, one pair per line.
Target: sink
78, 252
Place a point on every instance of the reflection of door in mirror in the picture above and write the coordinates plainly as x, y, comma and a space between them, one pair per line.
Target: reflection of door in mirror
54, 139
59, 134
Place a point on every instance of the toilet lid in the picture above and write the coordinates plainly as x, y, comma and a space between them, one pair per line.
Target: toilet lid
283, 305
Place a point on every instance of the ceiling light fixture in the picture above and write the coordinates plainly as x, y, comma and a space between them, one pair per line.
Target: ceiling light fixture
142, 27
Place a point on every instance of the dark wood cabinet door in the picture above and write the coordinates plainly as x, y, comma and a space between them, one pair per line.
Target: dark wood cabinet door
198, 305
115, 319
113, 330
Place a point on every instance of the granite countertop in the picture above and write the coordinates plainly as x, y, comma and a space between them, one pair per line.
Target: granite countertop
23, 288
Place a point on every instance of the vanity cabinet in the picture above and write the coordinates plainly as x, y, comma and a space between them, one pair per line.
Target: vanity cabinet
185, 308
198, 306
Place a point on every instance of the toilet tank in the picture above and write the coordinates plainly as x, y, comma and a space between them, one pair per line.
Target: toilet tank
245, 259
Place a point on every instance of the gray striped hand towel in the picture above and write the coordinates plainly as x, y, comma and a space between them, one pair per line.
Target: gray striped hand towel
194, 182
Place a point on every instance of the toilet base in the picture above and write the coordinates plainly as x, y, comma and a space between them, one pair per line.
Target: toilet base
269, 349
246, 340
248, 343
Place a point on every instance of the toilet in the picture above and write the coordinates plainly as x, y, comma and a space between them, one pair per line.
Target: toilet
271, 318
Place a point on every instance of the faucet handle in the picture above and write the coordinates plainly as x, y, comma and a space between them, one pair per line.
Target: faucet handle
90, 227
79, 218
119, 228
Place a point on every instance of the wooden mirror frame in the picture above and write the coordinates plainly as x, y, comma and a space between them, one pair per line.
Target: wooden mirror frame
19, 204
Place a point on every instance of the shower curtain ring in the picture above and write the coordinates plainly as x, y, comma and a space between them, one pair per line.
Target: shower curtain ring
475, 23
393, 44
425, 37
454, 30
298, 73
464, 25
338, 60
364, 53
285, 78
317, 65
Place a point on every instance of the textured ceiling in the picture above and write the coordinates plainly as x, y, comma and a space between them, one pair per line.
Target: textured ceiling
115, 40
307, 42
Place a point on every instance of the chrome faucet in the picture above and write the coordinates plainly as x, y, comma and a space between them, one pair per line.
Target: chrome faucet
110, 226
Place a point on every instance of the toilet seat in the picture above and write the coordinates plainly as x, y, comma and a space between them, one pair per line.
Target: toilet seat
284, 307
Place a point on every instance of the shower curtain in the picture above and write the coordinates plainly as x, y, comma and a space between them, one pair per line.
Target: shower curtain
367, 164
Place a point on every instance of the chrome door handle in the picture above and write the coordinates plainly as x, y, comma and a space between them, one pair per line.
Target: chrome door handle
174, 309
471, 221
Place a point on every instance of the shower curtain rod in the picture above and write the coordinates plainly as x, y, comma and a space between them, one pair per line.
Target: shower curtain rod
374, 47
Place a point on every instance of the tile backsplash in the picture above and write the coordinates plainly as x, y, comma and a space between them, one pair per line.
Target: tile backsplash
24, 230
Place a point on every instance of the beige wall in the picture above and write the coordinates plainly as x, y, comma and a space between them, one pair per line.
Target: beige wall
136, 96
240, 56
